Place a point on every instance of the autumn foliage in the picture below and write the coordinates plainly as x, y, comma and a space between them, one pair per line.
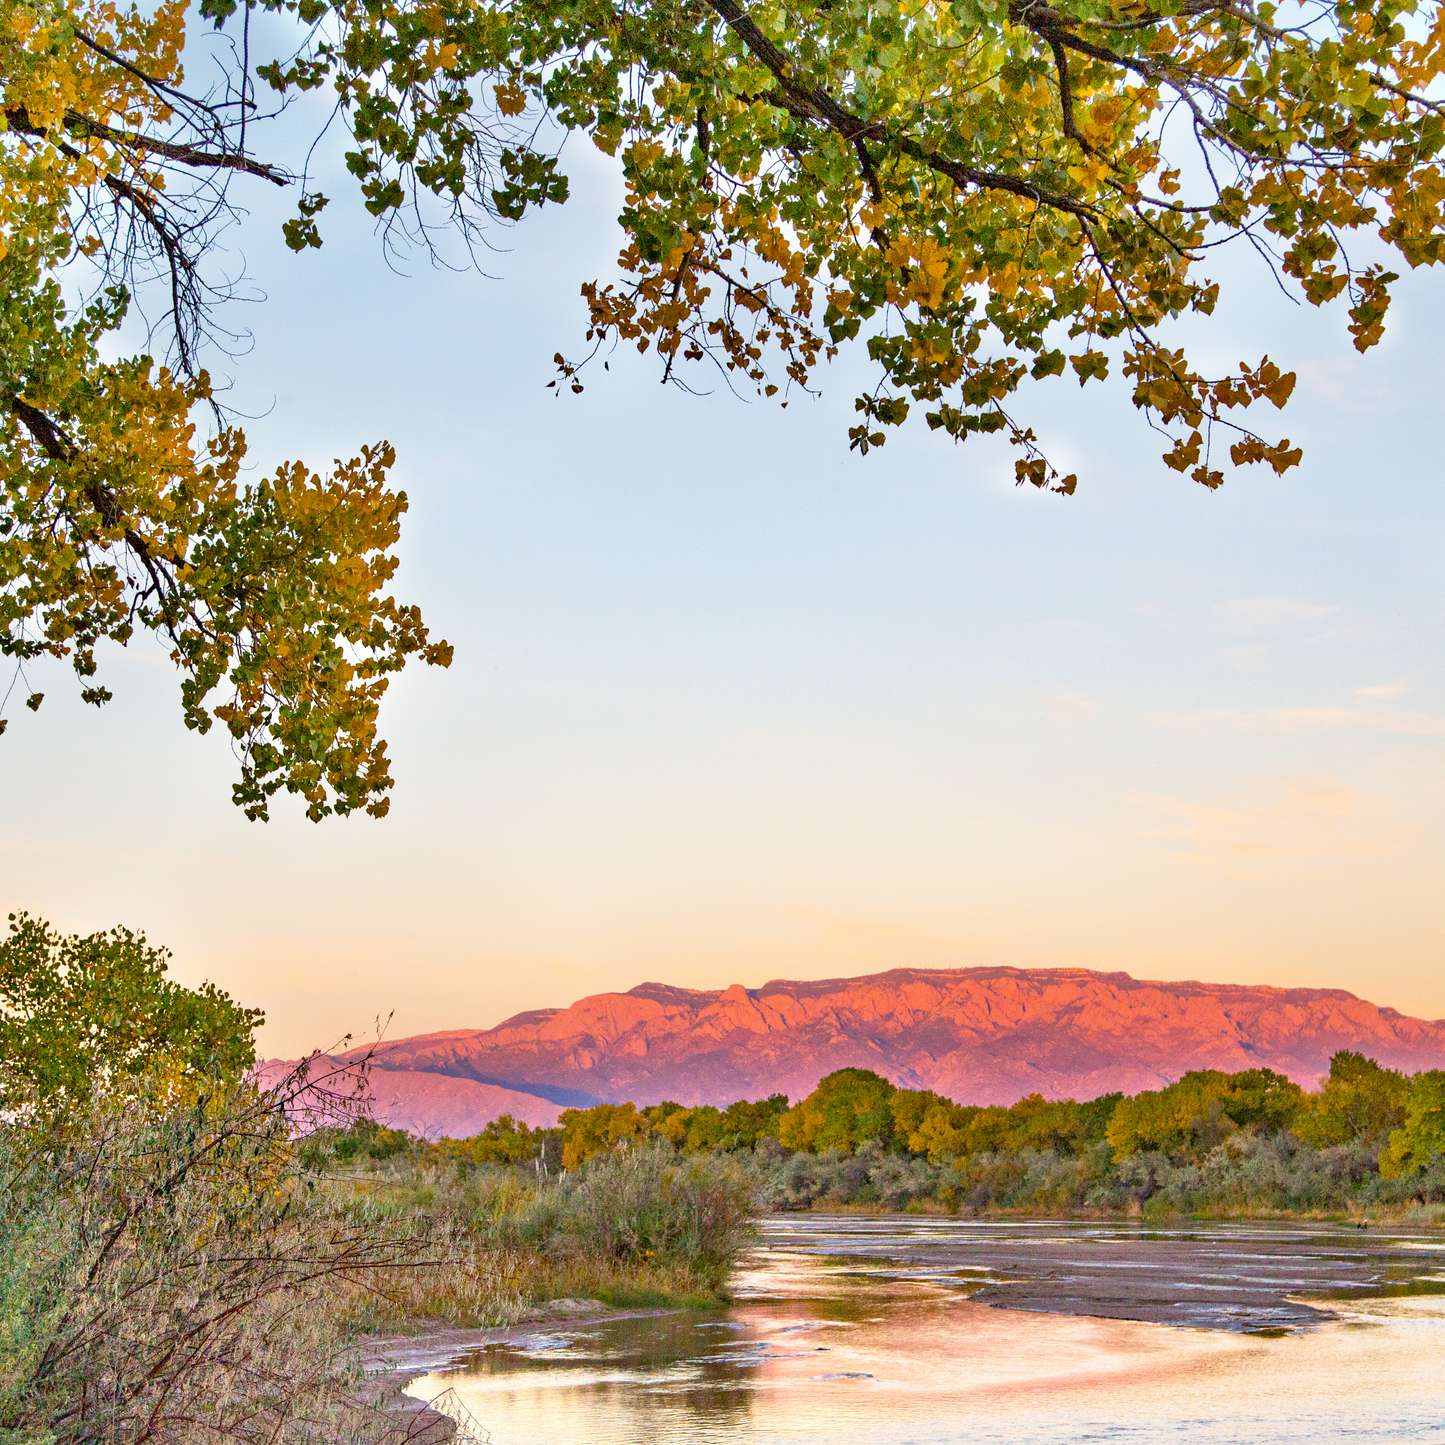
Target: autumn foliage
120, 513
982, 194
1360, 1105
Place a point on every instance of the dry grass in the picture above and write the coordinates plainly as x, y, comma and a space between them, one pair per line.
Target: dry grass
166, 1276
639, 1228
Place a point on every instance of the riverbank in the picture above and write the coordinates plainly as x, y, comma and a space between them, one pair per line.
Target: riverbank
928, 1330
644, 1228
636, 1229
1411, 1216
1250, 1173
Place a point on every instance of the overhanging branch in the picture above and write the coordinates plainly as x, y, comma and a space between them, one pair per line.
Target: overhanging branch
812, 103
79, 125
59, 446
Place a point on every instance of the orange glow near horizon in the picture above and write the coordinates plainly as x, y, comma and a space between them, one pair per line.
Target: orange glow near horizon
731, 703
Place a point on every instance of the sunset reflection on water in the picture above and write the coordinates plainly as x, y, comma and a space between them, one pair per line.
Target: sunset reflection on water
816, 1351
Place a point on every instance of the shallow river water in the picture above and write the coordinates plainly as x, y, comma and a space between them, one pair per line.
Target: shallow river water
915, 1331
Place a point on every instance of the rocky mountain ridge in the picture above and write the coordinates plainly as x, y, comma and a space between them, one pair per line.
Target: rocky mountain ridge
978, 1035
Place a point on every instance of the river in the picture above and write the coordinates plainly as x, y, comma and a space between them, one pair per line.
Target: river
908, 1330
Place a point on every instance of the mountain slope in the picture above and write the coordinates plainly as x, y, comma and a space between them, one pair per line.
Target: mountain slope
978, 1035
435, 1106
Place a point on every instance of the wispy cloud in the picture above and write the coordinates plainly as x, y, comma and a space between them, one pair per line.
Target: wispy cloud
1304, 814
1384, 689
1073, 706
1299, 720
1268, 614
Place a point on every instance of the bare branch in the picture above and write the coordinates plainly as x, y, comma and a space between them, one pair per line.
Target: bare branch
80, 125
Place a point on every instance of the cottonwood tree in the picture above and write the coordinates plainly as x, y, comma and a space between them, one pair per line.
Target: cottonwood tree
116, 513
96, 1012
980, 192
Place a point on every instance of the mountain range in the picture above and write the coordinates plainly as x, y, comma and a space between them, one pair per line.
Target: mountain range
977, 1035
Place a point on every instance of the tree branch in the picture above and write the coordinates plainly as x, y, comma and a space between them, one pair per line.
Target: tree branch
182, 268
814, 104
160, 85
80, 125
1066, 98
49, 437
60, 447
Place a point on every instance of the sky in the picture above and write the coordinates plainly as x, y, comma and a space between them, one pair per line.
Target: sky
731, 703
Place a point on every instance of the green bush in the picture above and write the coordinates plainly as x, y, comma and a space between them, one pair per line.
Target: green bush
166, 1275
1421, 1142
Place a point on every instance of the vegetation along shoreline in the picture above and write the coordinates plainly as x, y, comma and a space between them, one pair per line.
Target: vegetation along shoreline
179, 1244
1369, 1141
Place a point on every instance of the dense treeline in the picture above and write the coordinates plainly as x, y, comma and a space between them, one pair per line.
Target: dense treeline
1368, 1137
582, 1134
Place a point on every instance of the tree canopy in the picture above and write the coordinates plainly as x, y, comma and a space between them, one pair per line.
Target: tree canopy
117, 515
848, 1108
1421, 1140
1358, 1099
853, 1107
82, 1014
979, 193
1208, 1139
1202, 1109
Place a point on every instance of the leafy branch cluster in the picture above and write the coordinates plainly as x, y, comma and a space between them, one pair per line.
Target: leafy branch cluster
116, 514
964, 183
980, 192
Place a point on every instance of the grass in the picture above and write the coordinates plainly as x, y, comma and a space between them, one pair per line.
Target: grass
638, 1228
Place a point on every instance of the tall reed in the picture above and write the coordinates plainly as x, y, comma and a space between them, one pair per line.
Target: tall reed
638, 1226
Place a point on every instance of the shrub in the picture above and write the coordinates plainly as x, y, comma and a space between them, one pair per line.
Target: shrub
167, 1276
644, 1202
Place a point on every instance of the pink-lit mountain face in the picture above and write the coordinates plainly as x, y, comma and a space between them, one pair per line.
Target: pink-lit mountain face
433, 1105
977, 1035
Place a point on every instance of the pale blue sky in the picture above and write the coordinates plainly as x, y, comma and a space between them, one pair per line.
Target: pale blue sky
730, 703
